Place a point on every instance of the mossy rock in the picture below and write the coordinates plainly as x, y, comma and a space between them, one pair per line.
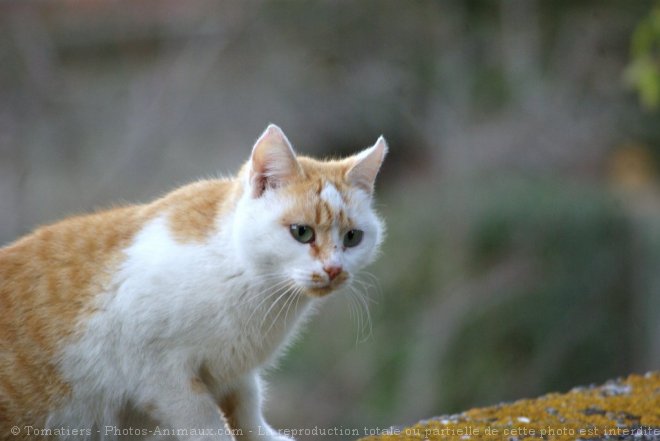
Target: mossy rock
623, 409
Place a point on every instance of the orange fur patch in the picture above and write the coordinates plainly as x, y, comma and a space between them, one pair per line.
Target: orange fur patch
193, 209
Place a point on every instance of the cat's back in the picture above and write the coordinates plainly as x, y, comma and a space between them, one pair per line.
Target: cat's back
58, 263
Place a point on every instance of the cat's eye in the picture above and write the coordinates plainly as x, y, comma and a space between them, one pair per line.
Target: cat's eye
353, 238
302, 233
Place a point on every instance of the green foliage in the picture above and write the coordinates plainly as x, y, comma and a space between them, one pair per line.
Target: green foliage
644, 70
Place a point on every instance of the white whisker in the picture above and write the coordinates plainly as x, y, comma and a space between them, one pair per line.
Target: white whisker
276, 290
287, 289
288, 292
364, 323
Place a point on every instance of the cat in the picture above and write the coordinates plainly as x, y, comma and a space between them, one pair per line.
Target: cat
169, 311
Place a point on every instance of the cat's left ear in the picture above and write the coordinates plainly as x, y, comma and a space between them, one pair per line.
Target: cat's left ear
367, 163
273, 162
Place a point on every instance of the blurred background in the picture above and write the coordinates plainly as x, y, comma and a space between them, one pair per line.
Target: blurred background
521, 192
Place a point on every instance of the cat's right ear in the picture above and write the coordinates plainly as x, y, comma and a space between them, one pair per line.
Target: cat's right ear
366, 165
273, 162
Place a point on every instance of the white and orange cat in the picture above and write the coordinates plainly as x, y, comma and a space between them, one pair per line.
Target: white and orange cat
168, 311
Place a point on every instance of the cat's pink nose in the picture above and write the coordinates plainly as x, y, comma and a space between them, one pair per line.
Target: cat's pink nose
333, 271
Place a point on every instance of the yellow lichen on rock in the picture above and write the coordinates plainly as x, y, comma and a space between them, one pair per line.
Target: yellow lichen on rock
621, 409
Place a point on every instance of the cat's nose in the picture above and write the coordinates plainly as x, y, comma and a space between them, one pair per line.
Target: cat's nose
333, 271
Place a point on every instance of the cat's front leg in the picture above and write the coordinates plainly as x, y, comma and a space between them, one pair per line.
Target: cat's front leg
187, 408
241, 405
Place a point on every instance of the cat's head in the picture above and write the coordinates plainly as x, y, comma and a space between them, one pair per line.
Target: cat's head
307, 223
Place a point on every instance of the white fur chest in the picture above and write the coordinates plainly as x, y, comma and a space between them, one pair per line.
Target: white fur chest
173, 307
197, 299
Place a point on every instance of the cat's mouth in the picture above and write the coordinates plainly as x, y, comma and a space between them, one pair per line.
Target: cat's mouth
319, 292
321, 288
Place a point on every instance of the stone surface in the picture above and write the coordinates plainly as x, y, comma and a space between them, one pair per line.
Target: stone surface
623, 409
